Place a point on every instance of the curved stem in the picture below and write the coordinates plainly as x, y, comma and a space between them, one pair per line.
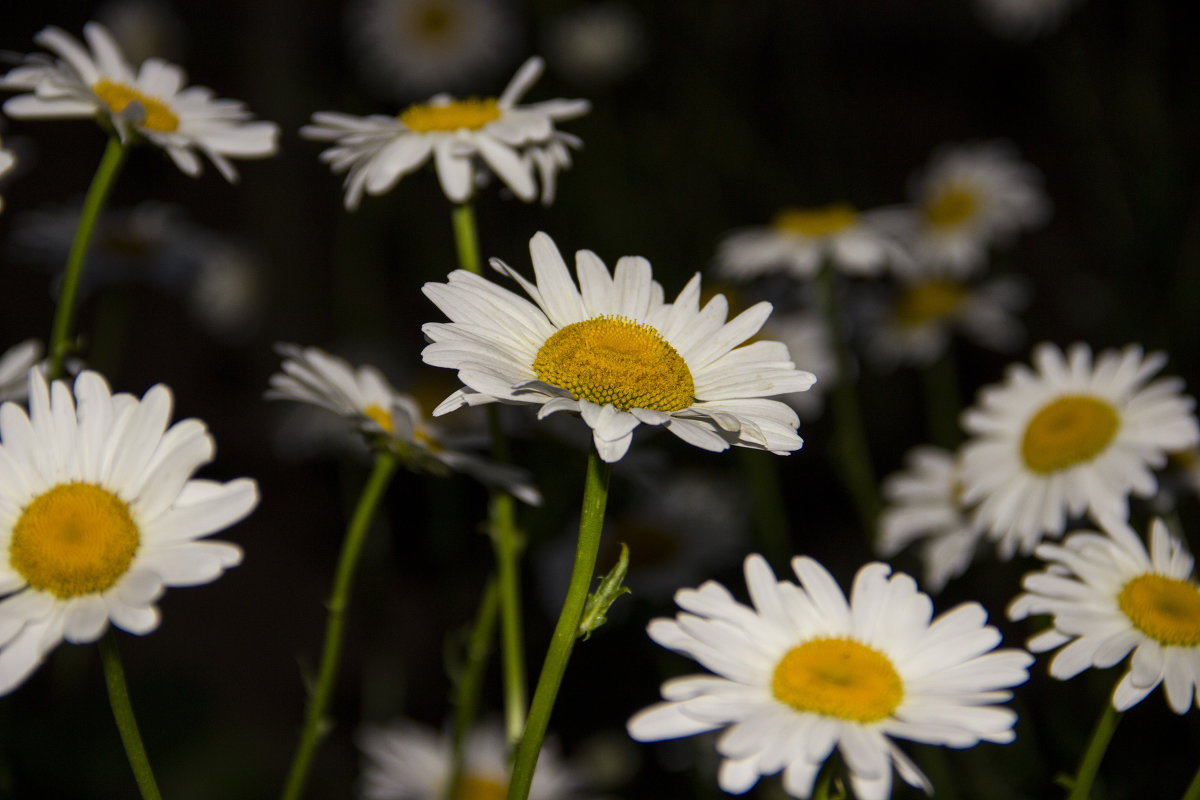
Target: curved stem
591, 524
64, 316
315, 723
118, 698
1193, 790
466, 696
1081, 787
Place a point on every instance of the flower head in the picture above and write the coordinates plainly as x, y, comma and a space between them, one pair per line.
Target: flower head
615, 353
1109, 598
1068, 438
150, 103
98, 513
518, 143
804, 671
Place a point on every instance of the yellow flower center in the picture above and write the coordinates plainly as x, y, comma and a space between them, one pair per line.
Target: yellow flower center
1070, 430
953, 206
73, 540
839, 678
381, 417
118, 97
475, 787
1165, 609
470, 114
616, 360
922, 303
816, 222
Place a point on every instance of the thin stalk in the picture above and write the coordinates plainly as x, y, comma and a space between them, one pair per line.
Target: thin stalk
470, 682
1193, 790
118, 698
939, 382
64, 315
770, 511
591, 524
316, 725
1081, 786
466, 237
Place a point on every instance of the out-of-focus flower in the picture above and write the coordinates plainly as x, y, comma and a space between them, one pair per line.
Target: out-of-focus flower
15, 364
519, 144
150, 104
596, 44
7, 162
143, 28
1022, 20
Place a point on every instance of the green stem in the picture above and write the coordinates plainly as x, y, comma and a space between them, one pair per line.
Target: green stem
1081, 786
769, 509
939, 382
466, 237
466, 700
64, 316
118, 698
591, 524
1193, 790
315, 724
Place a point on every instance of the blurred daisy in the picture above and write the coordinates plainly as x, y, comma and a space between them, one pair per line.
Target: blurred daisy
615, 353
150, 104
15, 364
1068, 438
388, 418
412, 48
98, 513
596, 44
405, 761
925, 505
1022, 20
7, 162
513, 142
1108, 598
143, 28
799, 240
803, 671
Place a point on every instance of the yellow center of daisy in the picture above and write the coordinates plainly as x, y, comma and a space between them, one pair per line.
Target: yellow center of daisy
470, 114
816, 222
73, 540
118, 97
839, 678
952, 207
1165, 609
922, 303
616, 360
475, 787
1068, 431
381, 417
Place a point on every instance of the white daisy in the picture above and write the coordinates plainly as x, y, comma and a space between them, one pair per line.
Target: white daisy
98, 513
803, 671
511, 141
1067, 438
1108, 598
1022, 20
807, 339
7, 162
388, 417
615, 353
405, 761
15, 364
925, 505
799, 240
150, 104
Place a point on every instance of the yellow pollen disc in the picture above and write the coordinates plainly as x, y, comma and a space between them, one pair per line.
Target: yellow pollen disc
472, 787
1070, 430
381, 417
469, 114
816, 222
73, 540
839, 678
1165, 609
952, 207
616, 360
118, 96
922, 303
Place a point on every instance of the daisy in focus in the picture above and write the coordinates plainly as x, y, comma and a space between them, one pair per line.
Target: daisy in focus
405, 761
386, 417
99, 512
1108, 597
15, 364
149, 104
1068, 438
804, 671
615, 353
519, 144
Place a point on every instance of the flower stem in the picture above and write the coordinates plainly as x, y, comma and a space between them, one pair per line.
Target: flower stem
761, 472
64, 316
118, 698
1193, 790
942, 402
315, 724
591, 524
466, 696
1081, 786
466, 237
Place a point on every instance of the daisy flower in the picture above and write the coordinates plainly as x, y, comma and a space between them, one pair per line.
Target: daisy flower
1022, 20
807, 339
804, 671
7, 162
98, 513
1109, 598
1068, 438
405, 761
798, 241
514, 142
613, 352
15, 364
925, 505
387, 417
150, 104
